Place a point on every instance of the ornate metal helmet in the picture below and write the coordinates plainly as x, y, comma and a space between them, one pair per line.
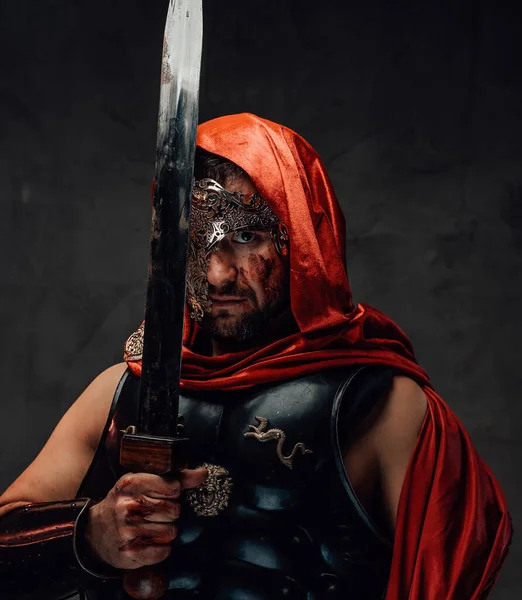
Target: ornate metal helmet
215, 213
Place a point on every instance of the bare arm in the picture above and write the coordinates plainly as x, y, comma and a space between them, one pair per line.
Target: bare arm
377, 460
57, 472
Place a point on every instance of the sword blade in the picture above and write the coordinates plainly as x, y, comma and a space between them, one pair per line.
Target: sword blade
176, 142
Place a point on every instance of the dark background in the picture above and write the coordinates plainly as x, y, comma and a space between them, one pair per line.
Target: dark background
416, 110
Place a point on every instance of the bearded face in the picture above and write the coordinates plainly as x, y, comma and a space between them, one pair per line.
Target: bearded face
246, 280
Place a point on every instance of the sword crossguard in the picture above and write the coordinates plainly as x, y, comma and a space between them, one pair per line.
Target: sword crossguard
144, 453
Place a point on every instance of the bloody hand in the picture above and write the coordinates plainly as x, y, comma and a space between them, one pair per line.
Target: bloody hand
136, 522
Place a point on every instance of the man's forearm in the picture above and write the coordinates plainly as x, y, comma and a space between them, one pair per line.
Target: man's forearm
41, 551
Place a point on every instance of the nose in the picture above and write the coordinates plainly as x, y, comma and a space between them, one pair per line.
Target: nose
222, 268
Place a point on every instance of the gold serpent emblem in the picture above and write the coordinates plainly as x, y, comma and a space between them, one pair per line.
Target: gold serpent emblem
262, 435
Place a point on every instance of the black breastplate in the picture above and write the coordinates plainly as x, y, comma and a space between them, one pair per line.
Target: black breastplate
293, 528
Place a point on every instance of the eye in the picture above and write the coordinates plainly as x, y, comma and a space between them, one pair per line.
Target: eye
244, 236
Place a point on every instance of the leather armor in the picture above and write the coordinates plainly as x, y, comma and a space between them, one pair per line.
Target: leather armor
294, 528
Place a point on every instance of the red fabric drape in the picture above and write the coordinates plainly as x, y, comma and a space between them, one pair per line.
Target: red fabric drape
453, 529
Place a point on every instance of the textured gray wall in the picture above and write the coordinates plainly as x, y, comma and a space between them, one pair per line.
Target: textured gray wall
414, 107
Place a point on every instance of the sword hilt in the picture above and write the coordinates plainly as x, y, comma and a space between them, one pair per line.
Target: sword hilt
143, 453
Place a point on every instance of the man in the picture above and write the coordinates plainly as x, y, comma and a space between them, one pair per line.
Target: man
325, 466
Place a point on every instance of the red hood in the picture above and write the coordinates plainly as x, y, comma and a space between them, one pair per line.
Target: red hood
292, 179
332, 331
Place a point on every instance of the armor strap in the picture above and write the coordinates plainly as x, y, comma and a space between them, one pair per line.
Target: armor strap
42, 551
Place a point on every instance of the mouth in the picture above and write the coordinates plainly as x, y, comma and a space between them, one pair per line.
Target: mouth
224, 301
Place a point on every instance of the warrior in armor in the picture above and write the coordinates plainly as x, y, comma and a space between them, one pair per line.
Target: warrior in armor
323, 463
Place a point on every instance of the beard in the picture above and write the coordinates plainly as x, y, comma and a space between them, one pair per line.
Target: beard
249, 324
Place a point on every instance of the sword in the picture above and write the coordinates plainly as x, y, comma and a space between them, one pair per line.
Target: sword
154, 446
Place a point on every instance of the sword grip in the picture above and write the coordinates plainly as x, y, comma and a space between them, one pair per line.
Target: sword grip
143, 453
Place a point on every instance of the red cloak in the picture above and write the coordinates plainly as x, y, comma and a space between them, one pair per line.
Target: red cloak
453, 528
